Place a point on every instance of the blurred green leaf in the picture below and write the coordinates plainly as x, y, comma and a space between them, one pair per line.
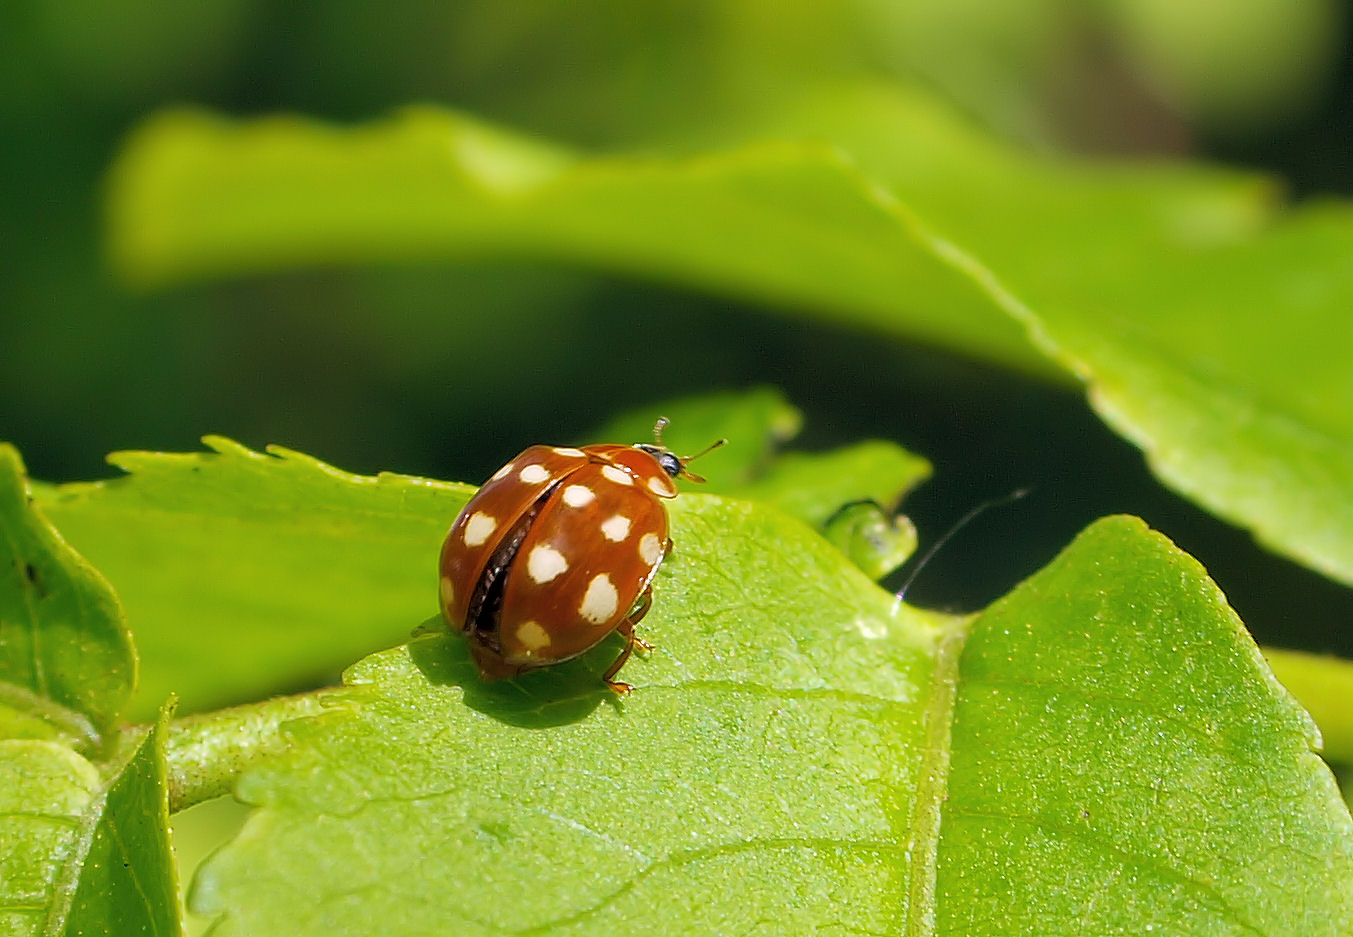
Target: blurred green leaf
85, 854
1101, 752
1209, 332
781, 222
1232, 371
197, 832
1234, 67
65, 655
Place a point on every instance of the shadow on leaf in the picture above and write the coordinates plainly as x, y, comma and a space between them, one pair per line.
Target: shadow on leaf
538, 699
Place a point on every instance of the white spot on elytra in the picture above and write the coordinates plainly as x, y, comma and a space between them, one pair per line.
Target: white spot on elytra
650, 548
616, 528
660, 486
448, 591
502, 472
478, 528
568, 451
534, 474
576, 496
617, 475
545, 563
601, 601
532, 636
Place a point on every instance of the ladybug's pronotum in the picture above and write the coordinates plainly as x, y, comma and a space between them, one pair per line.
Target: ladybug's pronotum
557, 550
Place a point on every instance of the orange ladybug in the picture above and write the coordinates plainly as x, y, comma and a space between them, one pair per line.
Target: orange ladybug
557, 550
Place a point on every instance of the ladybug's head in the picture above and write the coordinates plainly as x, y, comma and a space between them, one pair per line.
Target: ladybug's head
673, 464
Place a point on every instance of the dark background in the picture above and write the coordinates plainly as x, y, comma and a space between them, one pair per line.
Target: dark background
447, 370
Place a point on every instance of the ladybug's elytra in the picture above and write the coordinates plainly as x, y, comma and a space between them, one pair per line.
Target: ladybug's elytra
557, 550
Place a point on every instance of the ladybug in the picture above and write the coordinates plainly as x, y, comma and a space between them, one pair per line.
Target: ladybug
557, 550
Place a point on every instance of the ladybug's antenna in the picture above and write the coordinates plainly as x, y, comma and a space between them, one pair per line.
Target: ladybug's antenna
686, 473
659, 426
949, 535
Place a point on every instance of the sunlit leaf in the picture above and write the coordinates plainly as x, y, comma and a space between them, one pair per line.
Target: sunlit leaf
63, 646
1101, 752
247, 573
85, 853
244, 572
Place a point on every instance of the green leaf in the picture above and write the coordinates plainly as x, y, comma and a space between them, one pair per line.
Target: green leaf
85, 855
128, 882
1324, 685
1231, 369
1210, 331
1101, 752
1115, 728
245, 573
288, 568
778, 222
25, 715
46, 790
876, 540
814, 487
770, 664
851, 495
755, 422
208, 751
64, 651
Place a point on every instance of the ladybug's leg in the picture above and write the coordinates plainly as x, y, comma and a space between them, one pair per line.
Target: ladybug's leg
641, 607
622, 689
626, 630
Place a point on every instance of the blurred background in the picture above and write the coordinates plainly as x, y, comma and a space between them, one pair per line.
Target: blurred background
445, 370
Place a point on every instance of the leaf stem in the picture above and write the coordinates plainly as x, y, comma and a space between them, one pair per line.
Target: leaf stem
206, 752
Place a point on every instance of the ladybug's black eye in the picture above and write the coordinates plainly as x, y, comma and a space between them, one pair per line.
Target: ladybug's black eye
670, 464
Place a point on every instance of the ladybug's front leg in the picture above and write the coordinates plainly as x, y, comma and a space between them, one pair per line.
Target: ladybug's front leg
626, 630
640, 609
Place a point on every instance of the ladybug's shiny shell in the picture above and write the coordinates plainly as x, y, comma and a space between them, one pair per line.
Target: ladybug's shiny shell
556, 551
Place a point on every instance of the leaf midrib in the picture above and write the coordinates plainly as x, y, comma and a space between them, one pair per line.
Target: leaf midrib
937, 721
